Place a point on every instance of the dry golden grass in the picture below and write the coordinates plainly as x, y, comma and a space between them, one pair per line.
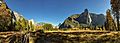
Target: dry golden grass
67, 31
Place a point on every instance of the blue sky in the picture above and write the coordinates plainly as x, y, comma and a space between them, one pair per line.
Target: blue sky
56, 11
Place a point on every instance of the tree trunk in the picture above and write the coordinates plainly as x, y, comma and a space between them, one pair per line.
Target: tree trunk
118, 21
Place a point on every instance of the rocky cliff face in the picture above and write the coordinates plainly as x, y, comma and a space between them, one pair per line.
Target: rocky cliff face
70, 22
17, 16
97, 19
83, 19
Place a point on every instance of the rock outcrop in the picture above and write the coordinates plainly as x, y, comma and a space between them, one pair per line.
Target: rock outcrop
83, 19
70, 22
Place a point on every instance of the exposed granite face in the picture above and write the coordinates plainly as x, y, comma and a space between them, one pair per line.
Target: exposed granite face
71, 22
97, 19
83, 19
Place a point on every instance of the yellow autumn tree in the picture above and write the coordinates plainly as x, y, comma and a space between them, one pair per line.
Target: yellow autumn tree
110, 24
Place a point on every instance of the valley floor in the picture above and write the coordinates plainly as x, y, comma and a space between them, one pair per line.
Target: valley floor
79, 36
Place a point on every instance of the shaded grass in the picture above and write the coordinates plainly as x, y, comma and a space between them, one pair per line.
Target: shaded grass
112, 37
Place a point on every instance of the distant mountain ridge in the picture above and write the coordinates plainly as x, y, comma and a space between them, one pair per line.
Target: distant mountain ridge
83, 19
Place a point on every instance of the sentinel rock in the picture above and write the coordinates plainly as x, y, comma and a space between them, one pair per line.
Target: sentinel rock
84, 19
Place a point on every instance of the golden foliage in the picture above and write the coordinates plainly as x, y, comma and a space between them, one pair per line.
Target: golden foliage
110, 24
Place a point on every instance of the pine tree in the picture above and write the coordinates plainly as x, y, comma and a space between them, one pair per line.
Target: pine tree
115, 5
110, 24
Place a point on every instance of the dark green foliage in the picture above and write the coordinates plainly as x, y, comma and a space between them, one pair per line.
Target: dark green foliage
21, 24
48, 26
17, 26
115, 5
5, 23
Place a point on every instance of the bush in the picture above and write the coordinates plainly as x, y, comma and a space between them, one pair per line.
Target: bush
48, 26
